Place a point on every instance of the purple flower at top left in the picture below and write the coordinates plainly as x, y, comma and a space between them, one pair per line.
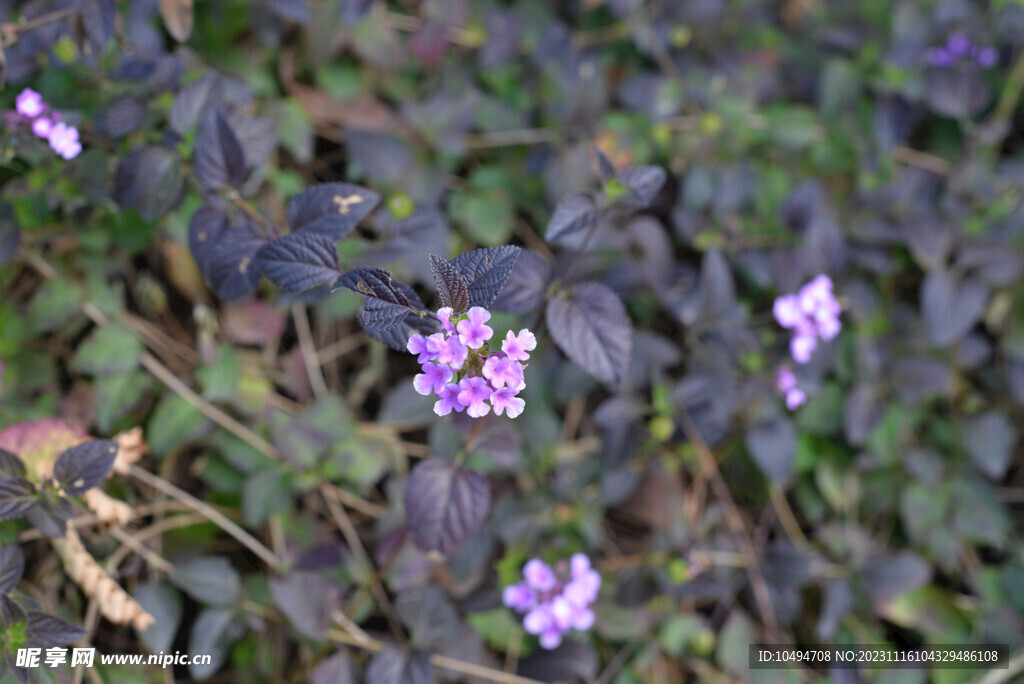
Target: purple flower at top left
44, 122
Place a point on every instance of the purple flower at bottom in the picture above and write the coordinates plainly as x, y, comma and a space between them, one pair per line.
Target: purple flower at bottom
472, 331
473, 394
29, 103
554, 600
801, 347
448, 401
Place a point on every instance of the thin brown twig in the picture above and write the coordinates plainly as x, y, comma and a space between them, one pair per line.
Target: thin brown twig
207, 511
308, 349
348, 530
735, 521
453, 664
786, 517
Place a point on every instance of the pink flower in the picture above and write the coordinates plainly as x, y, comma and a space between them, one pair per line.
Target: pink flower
555, 602
539, 575
505, 400
503, 371
419, 345
29, 103
516, 347
474, 393
472, 332
449, 400
452, 352
64, 140
42, 127
444, 314
433, 379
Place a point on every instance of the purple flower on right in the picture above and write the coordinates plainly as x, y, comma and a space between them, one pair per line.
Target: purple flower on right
812, 314
555, 600
959, 48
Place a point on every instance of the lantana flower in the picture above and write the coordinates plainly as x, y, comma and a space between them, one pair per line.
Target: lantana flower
555, 599
785, 384
812, 314
466, 372
960, 48
45, 123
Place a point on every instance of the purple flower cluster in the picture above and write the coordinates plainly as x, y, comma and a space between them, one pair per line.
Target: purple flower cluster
555, 600
811, 314
466, 375
959, 47
785, 384
45, 123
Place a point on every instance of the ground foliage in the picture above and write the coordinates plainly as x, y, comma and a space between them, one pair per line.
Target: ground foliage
274, 194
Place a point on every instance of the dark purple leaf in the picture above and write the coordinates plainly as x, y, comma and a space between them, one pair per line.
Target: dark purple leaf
12, 567
590, 325
860, 414
451, 286
163, 602
190, 101
336, 669
397, 335
838, 601
951, 305
445, 505
98, 18
204, 231
916, 379
373, 283
300, 261
886, 576
526, 285
210, 579
353, 10
393, 666
570, 662
384, 158
989, 440
215, 631
645, 182
47, 631
308, 600
84, 466
486, 271
333, 209
994, 263
50, 516
717, 289
498, 440
10, 611
429, 616
772, 445
151, 180
10, 235
17, 495
218, 158
955, 92
573, 214
10, 465
604, 165
290, 10
232, 267
122, 117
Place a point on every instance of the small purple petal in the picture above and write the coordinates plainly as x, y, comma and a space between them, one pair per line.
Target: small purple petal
539, 575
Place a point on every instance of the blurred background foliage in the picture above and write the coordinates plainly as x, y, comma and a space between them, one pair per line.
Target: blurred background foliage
799, 136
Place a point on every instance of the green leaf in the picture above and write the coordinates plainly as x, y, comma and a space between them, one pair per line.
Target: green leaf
110, 349
54, 303
116, 395
495, 626
220, 380
173, 421
266, 492
676, 634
